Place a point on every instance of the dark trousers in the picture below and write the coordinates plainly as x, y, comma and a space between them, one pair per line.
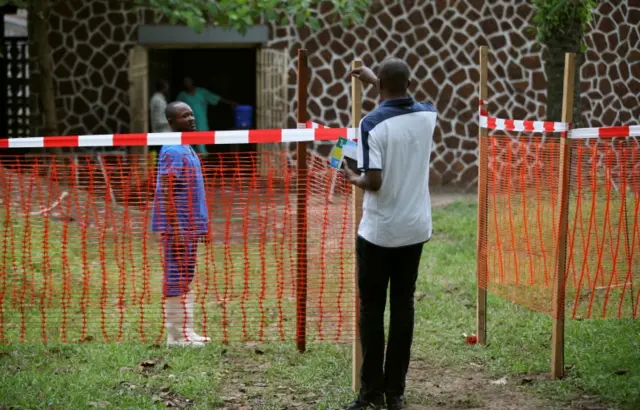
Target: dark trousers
377, 268
179, 264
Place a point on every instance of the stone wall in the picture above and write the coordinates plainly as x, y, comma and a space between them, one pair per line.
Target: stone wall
439, 39
90, 42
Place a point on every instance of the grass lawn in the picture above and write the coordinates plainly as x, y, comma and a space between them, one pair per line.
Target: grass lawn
603, 356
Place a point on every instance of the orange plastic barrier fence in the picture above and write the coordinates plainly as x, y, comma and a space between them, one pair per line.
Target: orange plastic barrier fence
80, 260
603, 275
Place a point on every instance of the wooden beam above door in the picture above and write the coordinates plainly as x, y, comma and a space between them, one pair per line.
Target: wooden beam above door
164, 36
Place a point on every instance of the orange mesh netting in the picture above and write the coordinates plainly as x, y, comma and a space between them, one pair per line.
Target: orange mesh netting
79, 259
603, 249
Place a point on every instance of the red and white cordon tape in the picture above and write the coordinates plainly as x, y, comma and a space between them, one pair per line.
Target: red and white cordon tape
308, 131
502, 124
493, 123
311, 124
184, 138
606, 132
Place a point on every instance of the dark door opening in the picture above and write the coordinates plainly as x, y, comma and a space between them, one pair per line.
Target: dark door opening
229, 73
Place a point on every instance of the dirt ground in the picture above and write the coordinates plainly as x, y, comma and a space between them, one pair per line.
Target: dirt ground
440, 387
466, 388
472, 388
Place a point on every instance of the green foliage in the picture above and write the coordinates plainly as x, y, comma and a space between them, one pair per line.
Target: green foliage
562, 21
240, 14
18, 3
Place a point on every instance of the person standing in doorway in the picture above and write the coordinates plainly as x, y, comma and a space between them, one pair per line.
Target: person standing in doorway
199, 99
158, 106
181, 217
394, 153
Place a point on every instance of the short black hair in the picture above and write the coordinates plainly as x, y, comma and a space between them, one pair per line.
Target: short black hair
170, 111
394, 75
161, 85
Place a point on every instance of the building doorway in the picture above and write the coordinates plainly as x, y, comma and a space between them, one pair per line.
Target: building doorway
248, 74
229, 73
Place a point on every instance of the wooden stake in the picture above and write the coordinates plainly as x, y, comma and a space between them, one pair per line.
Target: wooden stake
481, 245
262, 172
557, 341
358, 195
301, 209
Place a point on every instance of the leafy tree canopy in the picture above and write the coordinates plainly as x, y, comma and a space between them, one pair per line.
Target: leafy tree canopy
562, 22
240, 14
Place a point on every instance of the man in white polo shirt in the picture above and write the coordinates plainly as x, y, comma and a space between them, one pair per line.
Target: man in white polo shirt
394, 153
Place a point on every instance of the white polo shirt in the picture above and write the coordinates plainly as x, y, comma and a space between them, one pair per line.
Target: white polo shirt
396, 138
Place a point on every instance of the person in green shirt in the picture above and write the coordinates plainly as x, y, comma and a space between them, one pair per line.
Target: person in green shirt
199, 100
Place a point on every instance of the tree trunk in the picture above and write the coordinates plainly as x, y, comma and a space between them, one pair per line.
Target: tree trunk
554, 70
553, 57
40, 53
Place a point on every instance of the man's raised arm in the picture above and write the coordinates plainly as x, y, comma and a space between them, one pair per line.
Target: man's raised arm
364, 74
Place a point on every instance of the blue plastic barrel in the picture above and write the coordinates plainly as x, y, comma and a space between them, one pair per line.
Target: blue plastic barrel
244, 117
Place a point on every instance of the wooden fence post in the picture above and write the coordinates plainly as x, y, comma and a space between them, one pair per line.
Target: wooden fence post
557, 338
481, 244
358, 195
301, 208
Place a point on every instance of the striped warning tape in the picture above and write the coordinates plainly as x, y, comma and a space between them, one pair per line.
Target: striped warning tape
494, 123
307, 132
606, 132
502, 124
311, 124
184, 138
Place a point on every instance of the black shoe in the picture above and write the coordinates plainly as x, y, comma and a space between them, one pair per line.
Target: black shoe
396, 403
358, 404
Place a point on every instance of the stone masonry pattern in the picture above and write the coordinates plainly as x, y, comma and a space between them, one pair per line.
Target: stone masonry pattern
439, 39
90, 43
